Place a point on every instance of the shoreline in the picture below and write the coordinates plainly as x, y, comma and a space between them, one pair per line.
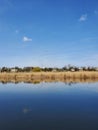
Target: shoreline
37, 77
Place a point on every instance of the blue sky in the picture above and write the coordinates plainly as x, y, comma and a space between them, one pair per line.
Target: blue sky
48, 33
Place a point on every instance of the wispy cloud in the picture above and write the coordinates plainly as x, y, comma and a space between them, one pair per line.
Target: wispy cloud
83, 18
16, 31
96, 12
26, 39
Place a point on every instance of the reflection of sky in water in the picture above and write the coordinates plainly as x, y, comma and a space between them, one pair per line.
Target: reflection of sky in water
49, 106
48, 87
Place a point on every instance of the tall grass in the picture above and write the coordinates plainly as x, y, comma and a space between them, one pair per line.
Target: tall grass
50, 76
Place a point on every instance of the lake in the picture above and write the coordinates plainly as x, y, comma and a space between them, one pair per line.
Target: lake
49, 106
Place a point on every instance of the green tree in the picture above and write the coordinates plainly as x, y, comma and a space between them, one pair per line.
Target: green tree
36, 69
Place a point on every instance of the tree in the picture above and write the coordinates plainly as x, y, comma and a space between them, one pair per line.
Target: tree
5, 69
36, 69
27, 69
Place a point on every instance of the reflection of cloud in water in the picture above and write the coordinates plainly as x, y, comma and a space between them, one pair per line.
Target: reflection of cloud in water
26, 110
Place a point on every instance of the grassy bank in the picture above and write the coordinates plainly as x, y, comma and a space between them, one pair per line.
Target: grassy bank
49, 76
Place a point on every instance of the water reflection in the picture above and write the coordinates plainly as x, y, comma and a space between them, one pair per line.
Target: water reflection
26, 110
69, 81
49, 106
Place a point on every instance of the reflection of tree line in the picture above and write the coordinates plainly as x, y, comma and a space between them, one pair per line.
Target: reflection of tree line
36, 81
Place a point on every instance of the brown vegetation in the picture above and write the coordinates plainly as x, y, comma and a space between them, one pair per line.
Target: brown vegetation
49, 76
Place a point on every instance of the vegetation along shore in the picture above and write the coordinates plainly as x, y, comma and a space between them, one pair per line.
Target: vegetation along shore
37, 74
49, 76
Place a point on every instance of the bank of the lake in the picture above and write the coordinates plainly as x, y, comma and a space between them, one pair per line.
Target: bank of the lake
50, 76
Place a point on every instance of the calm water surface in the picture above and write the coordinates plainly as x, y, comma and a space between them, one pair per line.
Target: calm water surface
49, 106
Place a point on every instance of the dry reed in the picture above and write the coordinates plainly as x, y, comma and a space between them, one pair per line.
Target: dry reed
49, 76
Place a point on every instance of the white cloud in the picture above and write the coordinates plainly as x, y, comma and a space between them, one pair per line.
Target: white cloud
83, 18
26, 39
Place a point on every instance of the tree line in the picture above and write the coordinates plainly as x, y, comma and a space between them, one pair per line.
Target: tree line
48, 69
